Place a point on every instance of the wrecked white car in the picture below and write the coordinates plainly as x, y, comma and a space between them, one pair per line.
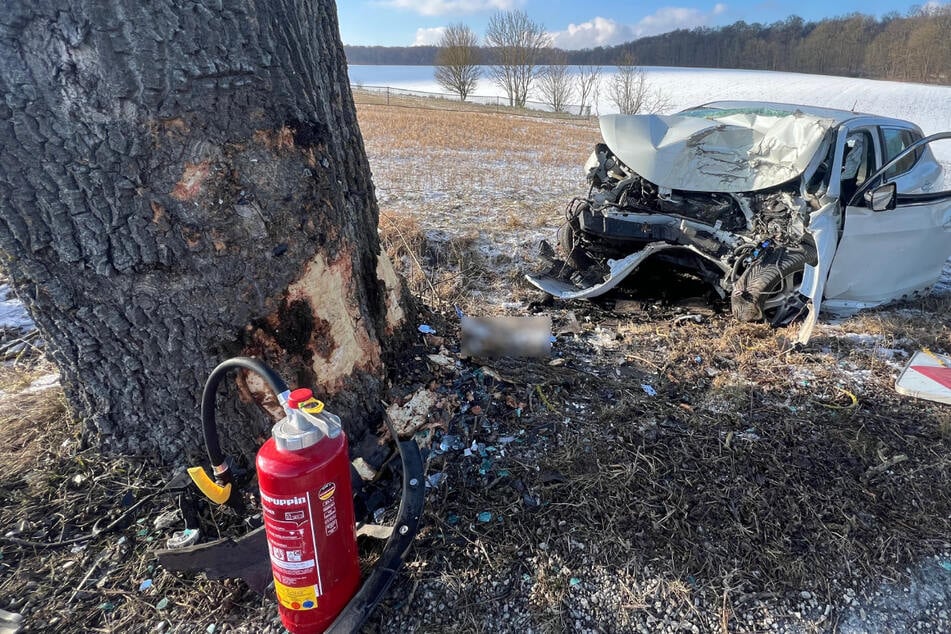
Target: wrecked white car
782, 208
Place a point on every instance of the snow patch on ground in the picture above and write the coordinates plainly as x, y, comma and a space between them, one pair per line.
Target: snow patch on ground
41, 384
919, 604
13, 313
943, 285
884, 348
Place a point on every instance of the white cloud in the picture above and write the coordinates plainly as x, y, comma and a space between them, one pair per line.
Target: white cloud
442, 7
597, 32
934, 7
672, 18
607, 32
428, 37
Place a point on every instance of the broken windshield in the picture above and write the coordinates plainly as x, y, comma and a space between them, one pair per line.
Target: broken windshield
713, 112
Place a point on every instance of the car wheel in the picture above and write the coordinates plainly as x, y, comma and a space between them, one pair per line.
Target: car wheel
766, 287
568, 241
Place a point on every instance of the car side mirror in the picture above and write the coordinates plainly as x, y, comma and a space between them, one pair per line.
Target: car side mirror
882, 198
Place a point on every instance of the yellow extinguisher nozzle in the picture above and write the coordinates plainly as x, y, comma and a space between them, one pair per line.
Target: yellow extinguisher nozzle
214, 492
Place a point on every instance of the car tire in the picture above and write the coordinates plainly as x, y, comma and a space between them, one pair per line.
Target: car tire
570, 245
767, 283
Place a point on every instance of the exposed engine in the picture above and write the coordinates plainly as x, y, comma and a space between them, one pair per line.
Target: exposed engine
779, 216
751, 246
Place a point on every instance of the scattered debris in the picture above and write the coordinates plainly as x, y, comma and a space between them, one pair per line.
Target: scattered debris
450, 442
10, 622
365, 471
412, 415
441, 360
682, 318
426, 330
927, 376
852, 397
183, 538
572, 325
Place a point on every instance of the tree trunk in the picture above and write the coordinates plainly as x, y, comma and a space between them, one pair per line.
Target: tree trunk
180, 184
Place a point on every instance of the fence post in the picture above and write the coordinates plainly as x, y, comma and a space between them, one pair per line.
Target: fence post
387, 95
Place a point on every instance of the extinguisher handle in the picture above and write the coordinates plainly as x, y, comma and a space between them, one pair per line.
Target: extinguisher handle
214, 492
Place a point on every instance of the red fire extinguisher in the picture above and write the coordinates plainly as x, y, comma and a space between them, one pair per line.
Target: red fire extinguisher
304, 477
306, 498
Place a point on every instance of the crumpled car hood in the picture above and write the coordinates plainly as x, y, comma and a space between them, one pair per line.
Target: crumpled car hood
716, 150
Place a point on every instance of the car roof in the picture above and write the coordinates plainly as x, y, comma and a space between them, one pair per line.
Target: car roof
839, 116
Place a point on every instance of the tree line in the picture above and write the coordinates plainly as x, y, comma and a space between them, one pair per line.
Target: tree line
525, 62
914, 47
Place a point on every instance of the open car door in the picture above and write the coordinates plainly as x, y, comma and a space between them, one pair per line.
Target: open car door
893, 244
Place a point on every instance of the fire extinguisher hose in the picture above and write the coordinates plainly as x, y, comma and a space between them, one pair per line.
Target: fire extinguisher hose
209, 426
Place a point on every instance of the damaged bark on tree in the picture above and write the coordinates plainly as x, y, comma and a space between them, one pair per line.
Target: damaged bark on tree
179, 185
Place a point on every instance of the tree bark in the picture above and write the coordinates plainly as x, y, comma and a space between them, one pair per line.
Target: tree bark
181, 183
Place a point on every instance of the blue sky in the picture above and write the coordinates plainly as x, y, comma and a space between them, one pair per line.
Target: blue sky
577, 24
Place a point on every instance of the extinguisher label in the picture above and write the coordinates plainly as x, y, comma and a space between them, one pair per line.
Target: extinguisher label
289, 524
296, 598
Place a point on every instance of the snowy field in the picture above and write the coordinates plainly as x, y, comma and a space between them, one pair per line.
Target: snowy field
926, 105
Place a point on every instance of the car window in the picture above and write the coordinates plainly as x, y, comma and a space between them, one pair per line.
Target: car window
858, 161
895, 140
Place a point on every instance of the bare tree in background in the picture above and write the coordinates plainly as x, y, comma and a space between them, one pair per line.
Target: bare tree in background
631, 92
457, 61
587, 80
518, 43
555, 85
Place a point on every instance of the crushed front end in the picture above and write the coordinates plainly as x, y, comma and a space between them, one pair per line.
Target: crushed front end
750, 246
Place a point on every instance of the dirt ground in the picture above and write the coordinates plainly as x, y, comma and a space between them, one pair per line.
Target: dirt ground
667, 470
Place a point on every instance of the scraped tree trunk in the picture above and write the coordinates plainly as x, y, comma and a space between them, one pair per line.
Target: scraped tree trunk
181, 183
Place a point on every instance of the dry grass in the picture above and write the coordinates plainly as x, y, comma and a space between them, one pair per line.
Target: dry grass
394, 98
30, 422
915, 322
493, 173
478, 135
777, 485
441, 273
478, 189
76, 528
